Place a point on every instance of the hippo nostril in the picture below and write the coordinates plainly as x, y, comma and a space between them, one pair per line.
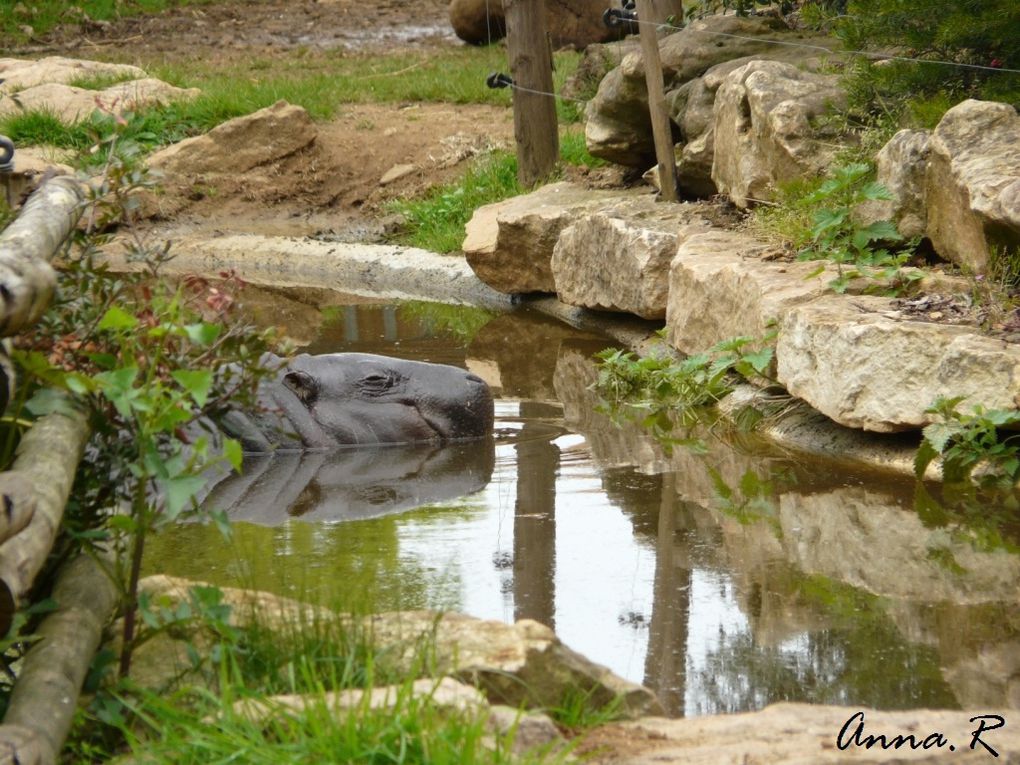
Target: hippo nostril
475, 378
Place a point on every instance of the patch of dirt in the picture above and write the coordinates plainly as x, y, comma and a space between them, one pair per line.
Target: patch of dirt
335, 187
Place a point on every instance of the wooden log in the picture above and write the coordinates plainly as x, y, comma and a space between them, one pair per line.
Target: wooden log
661, 130
48, 457
535, 126
21, 746
28, 245
46, 693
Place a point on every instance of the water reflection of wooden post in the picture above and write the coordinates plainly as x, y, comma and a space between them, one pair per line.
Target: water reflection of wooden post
535, 523
666, 660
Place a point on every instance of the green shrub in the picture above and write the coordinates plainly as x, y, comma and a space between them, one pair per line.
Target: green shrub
975, 33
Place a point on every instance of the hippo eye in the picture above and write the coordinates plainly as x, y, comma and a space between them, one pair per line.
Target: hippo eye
376, 382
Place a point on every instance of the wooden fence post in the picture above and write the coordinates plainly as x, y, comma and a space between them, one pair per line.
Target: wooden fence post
661, 130
535, 126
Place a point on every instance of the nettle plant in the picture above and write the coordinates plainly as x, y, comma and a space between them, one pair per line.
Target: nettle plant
153, 362
858, 251
981, 444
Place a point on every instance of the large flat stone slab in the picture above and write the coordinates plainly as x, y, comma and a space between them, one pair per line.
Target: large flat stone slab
21, 73
509, 244
371, 270
859, 362
617, 258
720, 288
798, 734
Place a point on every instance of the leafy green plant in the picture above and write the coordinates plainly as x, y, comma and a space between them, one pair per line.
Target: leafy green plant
979, 33
151, 361
837, 238
967, 442
690, 382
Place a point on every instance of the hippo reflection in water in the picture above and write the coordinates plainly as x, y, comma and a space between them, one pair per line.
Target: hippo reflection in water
422, 432
339, 399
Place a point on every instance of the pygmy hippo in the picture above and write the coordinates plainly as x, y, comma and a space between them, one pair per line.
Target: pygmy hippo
338, 399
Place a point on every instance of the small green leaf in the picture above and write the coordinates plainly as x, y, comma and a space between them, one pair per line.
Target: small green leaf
760, 360
938, 434
925, 454
203, 333
232, 451
875, 192
196, 383
117, 318
180, 491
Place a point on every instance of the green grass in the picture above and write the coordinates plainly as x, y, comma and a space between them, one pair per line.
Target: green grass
436, 222
192, 721
201, 729
44, 15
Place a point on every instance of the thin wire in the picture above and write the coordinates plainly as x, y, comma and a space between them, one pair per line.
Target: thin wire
866, 54
543, 93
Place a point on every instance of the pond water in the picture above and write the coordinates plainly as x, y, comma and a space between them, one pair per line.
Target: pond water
722, 573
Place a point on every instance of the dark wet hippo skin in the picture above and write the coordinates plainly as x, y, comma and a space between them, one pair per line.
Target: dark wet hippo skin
345, 399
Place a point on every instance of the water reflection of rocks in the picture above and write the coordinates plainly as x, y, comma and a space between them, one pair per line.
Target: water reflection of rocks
845, 595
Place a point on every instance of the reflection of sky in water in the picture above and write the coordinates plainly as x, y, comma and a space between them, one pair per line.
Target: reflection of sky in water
714, 619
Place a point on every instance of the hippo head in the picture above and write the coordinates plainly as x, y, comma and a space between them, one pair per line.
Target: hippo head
356, 398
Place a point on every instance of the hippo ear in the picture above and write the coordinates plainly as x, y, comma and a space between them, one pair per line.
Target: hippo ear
303, 386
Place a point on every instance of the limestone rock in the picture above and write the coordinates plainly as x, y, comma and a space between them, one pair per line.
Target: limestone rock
617, 258
792, 734
31, 165
719, 289
521, 664
596, 62
575, 23
510, 244
18, 74
973, 189
533, 731
240, 144
902, 168
71, 104
859, 363
617, 125
445, 692
766, 130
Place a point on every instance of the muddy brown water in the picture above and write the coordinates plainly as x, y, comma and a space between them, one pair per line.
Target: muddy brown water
718, 571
